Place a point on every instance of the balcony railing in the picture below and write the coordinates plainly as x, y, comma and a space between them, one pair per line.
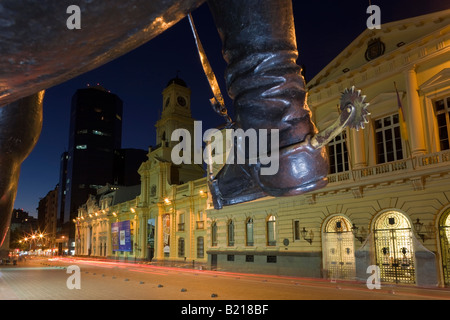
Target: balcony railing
428, 161
433, 158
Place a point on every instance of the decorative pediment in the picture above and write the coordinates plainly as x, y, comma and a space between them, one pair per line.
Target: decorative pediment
385, 96
438, 81
391, 40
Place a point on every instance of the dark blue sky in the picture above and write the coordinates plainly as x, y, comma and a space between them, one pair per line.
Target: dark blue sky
324, 28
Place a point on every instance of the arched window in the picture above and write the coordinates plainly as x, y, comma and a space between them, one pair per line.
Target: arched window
271, 231
249, 232
230, 233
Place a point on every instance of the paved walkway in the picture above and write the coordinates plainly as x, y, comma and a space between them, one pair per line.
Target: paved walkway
43, 279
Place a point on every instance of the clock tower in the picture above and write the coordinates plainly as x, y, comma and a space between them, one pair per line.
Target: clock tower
158, 173
176, 113
176, 98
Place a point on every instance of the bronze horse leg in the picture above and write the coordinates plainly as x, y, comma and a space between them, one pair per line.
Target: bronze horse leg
20, 127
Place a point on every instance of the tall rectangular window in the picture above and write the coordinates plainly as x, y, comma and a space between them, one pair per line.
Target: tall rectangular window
200, 247
271, 231
337, 150
230, 233
181, 247
442, 110
181, 222
388, 139
214, 234
249, 231
296, 230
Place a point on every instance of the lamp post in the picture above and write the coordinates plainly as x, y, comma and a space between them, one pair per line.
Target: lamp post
355, 229
304, 235
418, 227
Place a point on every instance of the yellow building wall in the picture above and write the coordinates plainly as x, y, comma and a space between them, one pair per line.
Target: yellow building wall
418, 186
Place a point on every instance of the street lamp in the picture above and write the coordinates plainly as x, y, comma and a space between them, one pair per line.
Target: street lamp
418, 227
304, 233
355, 233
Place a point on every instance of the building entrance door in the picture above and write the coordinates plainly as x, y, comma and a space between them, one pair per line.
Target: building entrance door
394, 249
150, 239
339, 254
444, 235
213, 261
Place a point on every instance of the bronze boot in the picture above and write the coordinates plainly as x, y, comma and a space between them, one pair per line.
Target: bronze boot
268, 92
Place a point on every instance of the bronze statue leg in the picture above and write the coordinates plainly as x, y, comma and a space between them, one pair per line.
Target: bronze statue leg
265, 82
20, 127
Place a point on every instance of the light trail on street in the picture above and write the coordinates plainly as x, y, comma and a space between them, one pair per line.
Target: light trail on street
263, 286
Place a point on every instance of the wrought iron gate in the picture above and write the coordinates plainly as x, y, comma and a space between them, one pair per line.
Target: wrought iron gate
395, 255
340, 256
444, 233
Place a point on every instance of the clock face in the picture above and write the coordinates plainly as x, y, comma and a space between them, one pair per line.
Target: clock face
181, 101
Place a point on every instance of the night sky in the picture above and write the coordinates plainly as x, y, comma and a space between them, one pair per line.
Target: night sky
324, 29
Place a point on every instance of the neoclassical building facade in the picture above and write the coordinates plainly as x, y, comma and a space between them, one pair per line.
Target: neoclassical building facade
387, 203
165, 221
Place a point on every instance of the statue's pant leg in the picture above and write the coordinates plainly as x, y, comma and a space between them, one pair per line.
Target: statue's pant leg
268, 90
20, 127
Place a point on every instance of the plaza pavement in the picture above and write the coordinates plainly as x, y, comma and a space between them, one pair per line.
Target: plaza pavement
46, 279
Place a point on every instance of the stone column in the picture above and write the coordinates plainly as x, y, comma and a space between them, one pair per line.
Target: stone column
173, 240
108, 239
143, 235
159, 240
413, 114
358, 149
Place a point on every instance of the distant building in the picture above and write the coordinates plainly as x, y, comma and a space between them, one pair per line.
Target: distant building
93, 239
95, 132
127, 163
48, 216
142, 215
22, 222
22, 225
62, 189
94, 158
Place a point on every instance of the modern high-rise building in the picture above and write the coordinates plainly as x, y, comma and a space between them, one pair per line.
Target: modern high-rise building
62, 189
95, 134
